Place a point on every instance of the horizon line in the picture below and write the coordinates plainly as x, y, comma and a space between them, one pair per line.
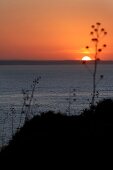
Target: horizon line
50, 62
10, 60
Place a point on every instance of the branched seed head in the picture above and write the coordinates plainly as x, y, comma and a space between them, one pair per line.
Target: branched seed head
96, 29
99, 50
91, 33
102, 29
93, 26
87, 47
97, 34
104, 45
98, 23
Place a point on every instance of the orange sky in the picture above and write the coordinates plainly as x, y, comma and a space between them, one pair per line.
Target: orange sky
52, 29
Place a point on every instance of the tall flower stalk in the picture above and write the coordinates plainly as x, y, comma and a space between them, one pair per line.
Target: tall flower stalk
28, 96
97, 35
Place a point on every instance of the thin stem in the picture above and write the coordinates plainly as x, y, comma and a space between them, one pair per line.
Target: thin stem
32, 94
69, 106
95, 68
12, 124
22, 110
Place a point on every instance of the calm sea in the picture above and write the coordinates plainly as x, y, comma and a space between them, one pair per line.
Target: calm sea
53, 91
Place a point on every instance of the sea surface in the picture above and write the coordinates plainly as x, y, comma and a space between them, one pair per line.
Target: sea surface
59, 85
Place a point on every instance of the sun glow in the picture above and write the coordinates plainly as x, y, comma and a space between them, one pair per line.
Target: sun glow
86, 58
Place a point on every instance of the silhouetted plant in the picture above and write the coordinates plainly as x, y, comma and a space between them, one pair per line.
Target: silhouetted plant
28, 96
97, 35
23, 109
12, 114
26, 110
71, 99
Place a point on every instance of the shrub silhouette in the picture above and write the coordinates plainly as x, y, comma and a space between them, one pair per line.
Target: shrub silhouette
104, 110
96, 121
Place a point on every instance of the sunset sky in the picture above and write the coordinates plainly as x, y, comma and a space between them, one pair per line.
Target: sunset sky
52, 29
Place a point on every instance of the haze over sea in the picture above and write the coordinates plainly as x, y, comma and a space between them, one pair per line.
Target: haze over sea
58, 79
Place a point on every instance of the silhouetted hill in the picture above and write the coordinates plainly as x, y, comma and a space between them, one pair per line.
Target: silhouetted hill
39, 132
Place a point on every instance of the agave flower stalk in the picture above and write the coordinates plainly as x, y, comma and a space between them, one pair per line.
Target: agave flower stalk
97, 33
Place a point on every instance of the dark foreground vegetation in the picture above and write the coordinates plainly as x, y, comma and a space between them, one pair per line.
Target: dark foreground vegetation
41, 130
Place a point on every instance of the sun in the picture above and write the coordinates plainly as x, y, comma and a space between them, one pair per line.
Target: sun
86, 58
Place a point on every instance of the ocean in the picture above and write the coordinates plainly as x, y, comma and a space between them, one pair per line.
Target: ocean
59, 84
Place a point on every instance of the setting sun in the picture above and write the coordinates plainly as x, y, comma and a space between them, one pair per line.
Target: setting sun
52, 30
86, 58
